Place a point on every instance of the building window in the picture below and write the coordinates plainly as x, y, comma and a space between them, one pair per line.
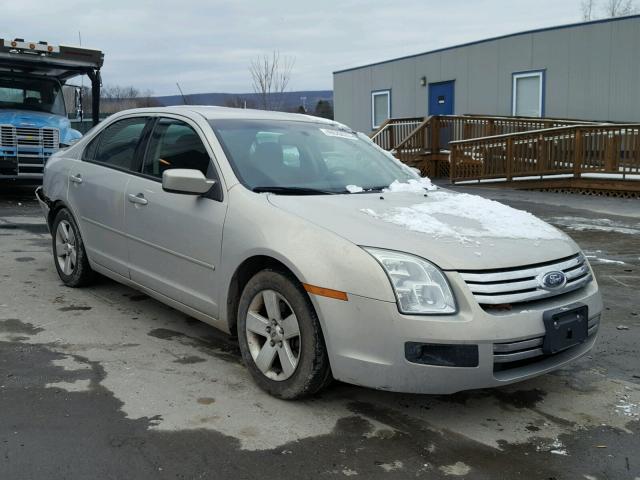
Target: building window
380, 107
528, 94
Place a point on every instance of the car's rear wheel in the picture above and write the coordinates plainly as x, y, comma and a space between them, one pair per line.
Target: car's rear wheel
69, 252
280, 337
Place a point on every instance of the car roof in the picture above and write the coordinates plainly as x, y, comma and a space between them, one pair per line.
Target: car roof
219, 113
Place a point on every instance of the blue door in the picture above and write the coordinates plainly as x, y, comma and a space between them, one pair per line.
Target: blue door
441, 98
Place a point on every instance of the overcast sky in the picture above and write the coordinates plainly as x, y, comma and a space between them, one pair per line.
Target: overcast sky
206, 45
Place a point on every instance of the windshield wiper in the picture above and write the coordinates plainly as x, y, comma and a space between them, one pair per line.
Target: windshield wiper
292, 190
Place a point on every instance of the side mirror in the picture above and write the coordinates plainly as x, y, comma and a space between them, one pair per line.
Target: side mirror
186, 181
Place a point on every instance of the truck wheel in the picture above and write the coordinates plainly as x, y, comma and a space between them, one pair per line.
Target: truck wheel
280, 337
69, 254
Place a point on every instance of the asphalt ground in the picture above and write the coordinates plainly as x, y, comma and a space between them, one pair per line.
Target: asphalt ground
105, 382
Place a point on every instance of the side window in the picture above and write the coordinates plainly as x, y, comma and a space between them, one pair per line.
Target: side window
174, 144
116, 145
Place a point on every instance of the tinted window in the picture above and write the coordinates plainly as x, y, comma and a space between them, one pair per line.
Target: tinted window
116, 145
174, 144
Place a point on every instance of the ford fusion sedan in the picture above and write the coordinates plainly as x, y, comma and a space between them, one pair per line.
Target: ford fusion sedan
326, 256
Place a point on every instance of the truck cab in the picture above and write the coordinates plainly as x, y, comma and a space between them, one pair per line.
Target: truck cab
34, 123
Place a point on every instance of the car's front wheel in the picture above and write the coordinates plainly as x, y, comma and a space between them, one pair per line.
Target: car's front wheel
69, 252
280, 337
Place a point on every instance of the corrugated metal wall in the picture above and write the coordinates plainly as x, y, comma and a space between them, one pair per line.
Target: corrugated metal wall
592, 72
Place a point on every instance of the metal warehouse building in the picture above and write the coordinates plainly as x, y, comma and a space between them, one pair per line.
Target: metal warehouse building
587, 71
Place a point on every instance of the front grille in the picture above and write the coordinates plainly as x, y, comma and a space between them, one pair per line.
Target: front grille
25, 150
50, 138
12, 137
7, 136
28, 136
517, 285
522, 352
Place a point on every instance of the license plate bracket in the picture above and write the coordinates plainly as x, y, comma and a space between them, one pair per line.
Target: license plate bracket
565, 327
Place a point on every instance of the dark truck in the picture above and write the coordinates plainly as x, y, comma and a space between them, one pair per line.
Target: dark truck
34, 122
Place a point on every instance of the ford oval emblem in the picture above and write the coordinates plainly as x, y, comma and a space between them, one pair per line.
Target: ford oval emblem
553, 280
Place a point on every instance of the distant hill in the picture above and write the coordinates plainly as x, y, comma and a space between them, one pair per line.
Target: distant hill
291, 100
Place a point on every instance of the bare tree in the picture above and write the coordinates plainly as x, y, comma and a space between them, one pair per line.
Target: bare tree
270, 75
608, 8
587, 7
619, 8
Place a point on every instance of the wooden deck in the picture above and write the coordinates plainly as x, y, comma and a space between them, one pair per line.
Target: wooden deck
519, 152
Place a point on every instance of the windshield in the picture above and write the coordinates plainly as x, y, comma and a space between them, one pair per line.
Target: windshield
38, 94
278, 155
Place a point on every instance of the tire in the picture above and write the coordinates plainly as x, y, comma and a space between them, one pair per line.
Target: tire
292, 366
69, 254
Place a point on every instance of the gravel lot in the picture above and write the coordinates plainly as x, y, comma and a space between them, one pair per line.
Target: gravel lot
105, 382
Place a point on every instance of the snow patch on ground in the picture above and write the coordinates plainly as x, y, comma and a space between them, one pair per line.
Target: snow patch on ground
556, 447
390, 467
464, 217
347, 472
354, 189
626, 407
458, 469
581, 224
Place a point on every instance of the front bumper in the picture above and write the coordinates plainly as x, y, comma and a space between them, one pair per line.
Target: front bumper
366, 340
44, 205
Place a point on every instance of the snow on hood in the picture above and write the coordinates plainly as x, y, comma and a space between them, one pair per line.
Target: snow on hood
466, 218
28, 118
414, 186
411, 185
354, 189
453, 230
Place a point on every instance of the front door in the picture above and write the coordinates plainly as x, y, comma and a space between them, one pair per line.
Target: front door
175, 239
441, 102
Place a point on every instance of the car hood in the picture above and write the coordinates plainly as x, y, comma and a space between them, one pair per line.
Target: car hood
453, 230
28, 118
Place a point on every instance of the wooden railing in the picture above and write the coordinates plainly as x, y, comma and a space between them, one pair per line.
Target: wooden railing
394, 130
570, 151
462, 127
434, 133
394, 133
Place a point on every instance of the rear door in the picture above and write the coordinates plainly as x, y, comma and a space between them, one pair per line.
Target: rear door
175, 239
97, 187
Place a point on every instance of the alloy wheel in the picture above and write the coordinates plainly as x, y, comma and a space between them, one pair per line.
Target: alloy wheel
66, 253
273, 335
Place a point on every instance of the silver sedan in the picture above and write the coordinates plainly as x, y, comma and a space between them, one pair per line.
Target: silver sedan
326, 256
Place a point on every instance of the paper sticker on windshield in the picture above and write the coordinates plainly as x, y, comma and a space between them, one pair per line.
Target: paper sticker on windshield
338, 133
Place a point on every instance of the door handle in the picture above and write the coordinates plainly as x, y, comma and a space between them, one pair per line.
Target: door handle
76, 178
138, 199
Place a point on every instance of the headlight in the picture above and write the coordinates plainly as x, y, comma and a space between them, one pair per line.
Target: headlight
420, 286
